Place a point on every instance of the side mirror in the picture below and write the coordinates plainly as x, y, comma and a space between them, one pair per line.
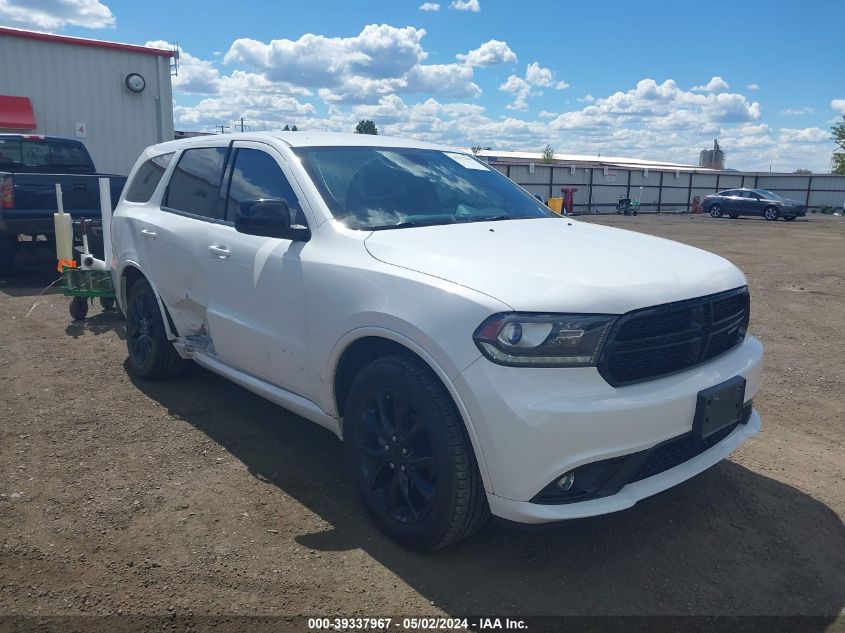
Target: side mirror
268, 217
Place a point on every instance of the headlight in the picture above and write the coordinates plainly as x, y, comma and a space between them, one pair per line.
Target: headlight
543, 340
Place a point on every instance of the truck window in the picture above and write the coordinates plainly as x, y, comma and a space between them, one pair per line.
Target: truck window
195, 184
256, 174
147, 179
44, 155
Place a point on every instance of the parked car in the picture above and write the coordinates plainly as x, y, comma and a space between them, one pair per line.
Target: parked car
476, 352
737, 202
30, 167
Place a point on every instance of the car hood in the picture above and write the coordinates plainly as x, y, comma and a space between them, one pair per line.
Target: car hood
558, 265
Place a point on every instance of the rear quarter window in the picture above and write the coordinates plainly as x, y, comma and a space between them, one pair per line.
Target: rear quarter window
147, 178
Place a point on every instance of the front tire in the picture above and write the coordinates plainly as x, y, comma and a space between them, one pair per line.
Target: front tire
716, 211
771, 214
151, 355
412, 464
789, 218
734, 216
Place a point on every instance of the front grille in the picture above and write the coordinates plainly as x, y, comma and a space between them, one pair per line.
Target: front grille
653, 342
675, 452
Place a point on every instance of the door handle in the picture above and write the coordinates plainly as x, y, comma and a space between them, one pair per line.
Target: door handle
220, 252
79, 186
148, 233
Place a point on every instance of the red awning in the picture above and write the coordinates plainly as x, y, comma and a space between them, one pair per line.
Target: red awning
16, 113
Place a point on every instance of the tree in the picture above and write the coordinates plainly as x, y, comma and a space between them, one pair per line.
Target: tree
286, 128
294, 129
548, 154
803, 171
365, 126
476, 149
839, 138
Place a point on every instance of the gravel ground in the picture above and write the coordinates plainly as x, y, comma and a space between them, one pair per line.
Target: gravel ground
196, 497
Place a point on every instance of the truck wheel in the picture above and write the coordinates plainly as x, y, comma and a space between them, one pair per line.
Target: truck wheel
715, 211
8, 246
771, 213
78, 308
151, 355
411, 460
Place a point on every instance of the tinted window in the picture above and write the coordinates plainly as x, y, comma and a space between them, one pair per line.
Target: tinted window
195, 183
147, 179
257, 175
748, 194
729, 193
44, 155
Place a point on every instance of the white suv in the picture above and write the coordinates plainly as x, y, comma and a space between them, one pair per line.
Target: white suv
477, 353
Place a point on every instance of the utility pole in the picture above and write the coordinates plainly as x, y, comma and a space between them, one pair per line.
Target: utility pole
222, 128
241, 125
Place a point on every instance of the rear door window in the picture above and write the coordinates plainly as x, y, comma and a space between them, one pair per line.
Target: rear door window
194, 186
147, 179
257, 175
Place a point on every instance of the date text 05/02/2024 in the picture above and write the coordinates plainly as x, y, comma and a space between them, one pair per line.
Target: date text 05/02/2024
416, 624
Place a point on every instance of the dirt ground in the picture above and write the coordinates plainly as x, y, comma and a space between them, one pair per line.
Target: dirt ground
196, 497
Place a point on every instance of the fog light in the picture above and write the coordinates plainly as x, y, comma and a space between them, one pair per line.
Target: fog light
566, 482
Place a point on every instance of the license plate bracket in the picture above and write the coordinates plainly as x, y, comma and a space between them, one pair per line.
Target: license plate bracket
719, 406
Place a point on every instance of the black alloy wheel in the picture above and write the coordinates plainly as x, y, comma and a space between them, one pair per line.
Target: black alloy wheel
411, 460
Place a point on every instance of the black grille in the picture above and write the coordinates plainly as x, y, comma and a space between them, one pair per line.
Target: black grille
665, 339
679, 451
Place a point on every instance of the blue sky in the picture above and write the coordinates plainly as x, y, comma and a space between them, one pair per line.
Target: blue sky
644, 79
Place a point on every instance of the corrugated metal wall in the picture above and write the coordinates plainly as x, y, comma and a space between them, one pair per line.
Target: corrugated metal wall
599, 188
69, 83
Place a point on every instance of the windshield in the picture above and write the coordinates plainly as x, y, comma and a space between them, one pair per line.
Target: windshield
767, 194
43, 155
382, 188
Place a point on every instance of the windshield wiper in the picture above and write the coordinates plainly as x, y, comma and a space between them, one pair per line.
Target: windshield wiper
484, 218
406, 224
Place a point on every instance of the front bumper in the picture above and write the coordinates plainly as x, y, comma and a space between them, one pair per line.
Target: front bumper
534, 425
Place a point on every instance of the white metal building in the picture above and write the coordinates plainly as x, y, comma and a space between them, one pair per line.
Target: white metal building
115, 98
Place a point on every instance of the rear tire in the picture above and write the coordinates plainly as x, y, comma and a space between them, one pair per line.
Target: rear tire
771, 214
151, 355
411, 460
715, 211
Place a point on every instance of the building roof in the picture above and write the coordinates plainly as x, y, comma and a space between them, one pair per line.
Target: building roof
83, 41
609, 161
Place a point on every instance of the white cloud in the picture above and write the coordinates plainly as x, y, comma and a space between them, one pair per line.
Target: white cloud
465, 5
429, 6
838, 105
797, 111
196, 76
381, 60
488, 54
587, 99
804, 135
753, 86
56, 14
716, 84
535, 77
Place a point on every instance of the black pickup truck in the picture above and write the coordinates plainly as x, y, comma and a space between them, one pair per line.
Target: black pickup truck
30, 167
